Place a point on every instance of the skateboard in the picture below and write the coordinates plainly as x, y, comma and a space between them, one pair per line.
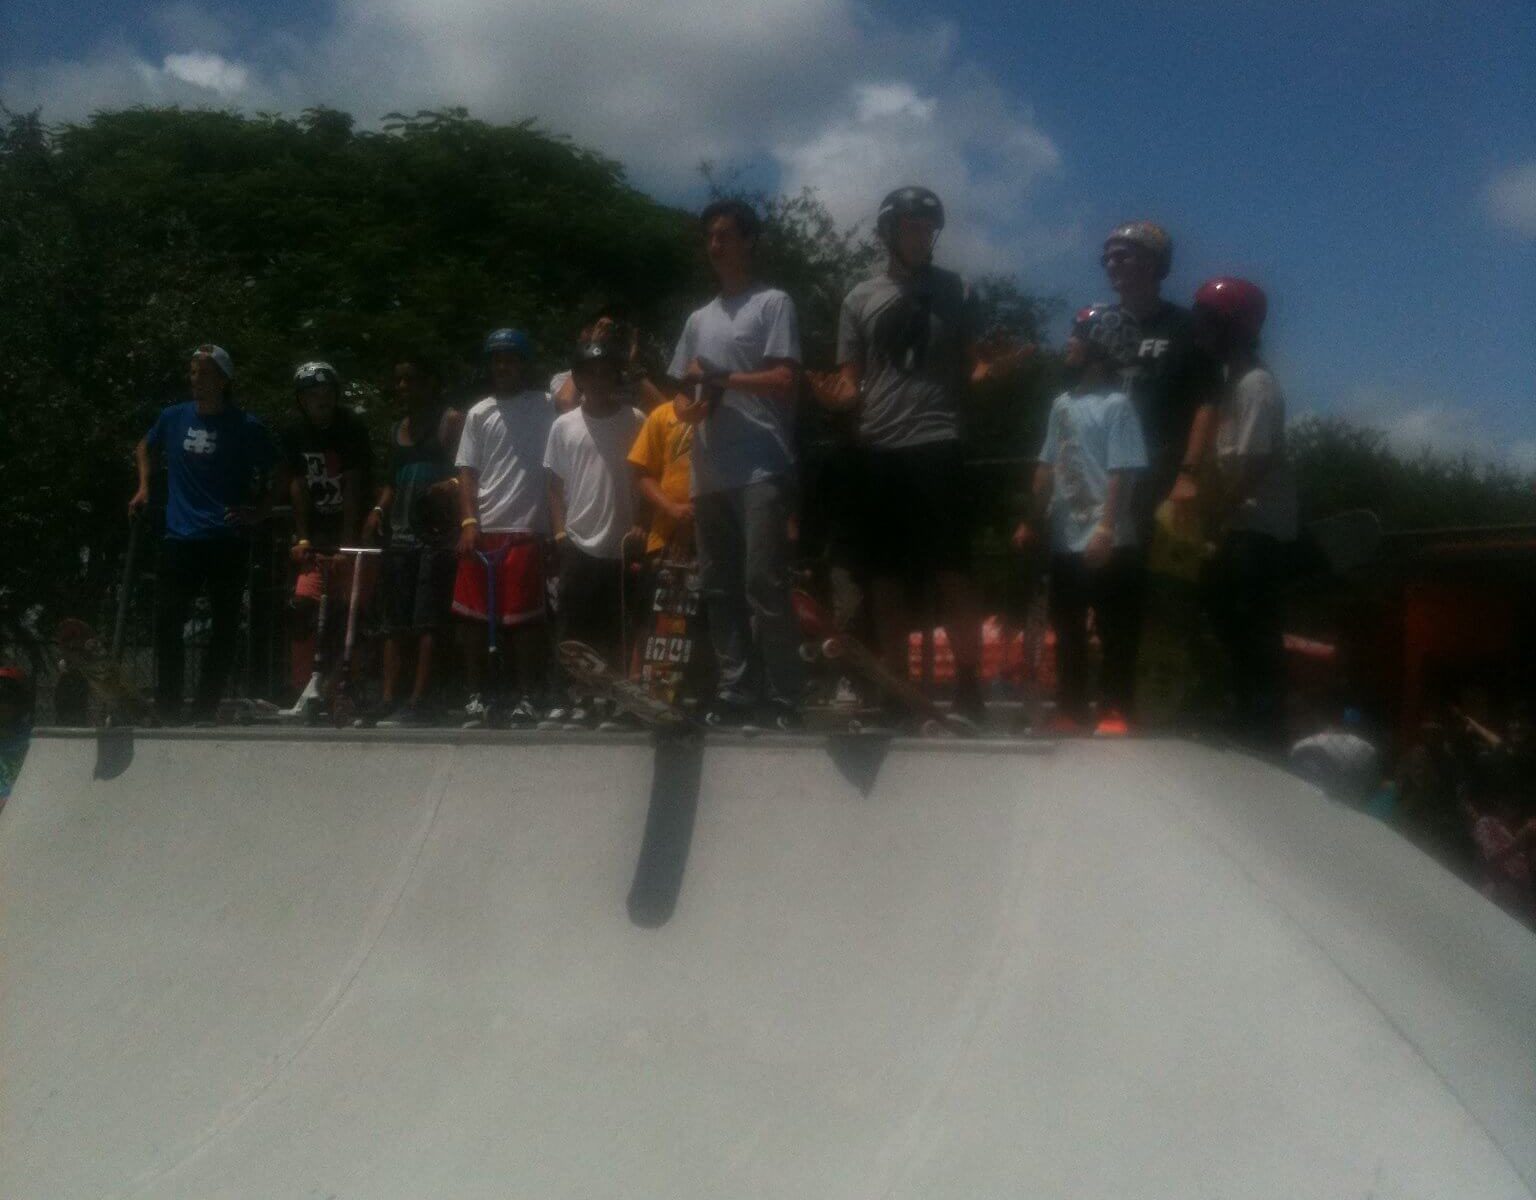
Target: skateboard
671, 635
82, 651
586, 665
824, 643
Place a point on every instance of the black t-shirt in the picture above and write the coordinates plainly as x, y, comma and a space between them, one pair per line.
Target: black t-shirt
321, 457
1167, 376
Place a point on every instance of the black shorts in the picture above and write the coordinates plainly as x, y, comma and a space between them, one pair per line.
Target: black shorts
916, 505
417, 588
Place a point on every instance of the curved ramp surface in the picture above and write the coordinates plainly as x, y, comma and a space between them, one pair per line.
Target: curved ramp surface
500, 965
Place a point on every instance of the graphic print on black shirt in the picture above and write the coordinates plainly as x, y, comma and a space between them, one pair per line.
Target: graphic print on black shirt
1167, 376
322, 457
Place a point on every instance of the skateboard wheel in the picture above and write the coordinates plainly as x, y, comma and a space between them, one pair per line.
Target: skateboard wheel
809, 652
831, 649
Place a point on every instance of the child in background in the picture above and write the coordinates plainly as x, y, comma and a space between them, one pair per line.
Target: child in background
593, 507
1084, 484
1502, 817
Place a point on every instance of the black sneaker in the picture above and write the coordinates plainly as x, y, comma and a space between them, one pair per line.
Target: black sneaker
523, 715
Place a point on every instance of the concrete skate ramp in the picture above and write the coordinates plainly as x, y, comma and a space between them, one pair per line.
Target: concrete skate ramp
510, 966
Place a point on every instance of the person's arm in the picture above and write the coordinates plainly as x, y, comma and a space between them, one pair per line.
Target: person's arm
1038, 505
650, 491
140, 499
556, 505
1101, 542
298, 498
837, 391
774, 380
469, 510
996, 357
373, 523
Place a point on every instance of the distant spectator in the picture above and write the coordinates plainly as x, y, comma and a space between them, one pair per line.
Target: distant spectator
16, 699
1501, 812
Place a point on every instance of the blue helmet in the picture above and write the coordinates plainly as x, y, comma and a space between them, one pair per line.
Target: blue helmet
514, 340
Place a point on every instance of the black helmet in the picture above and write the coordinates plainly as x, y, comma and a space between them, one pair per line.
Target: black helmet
908, 202
315, 374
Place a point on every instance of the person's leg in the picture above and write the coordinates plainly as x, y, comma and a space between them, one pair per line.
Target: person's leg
177, 581
1116, 616
766, 509
722, 570
225, 572
1252, 618
1069, 615
469, 600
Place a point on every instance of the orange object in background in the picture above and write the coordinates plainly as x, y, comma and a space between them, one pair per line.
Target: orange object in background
1004, 654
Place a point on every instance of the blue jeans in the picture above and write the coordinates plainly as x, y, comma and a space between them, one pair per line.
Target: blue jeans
743, 542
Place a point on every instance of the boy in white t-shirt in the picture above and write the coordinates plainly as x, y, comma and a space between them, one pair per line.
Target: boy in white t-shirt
1257, 502
504, 506
592, 502
1085, 482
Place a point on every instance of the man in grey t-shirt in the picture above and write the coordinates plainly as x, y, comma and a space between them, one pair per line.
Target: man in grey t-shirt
737, 363
906, 352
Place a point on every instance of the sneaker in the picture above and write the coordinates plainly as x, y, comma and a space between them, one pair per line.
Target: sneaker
780, 717
523, 715
557, 717
620, 721
407, 716
579, 716
723, 714
845, 696
476, 714
1111, 724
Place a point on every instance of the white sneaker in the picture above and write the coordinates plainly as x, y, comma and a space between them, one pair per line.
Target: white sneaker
476, 714
556, 717
845, 696
523, 715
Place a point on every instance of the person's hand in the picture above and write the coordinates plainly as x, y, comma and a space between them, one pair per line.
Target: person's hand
302, 553
1100, 543
138, 502
1185, 490
680, 511
833, 391
691, 412
469, 540
1024, 536
373, 528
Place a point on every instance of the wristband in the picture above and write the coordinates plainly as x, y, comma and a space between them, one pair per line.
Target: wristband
378, 509
468, 521
302, 543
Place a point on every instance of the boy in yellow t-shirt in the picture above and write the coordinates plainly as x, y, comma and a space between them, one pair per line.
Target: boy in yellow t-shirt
663, 466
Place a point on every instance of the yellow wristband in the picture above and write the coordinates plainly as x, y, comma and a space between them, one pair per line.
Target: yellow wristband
468, 521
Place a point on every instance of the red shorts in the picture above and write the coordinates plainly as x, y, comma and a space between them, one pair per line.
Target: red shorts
519, 582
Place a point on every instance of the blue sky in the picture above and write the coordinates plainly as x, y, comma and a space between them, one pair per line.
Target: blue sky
1372, 164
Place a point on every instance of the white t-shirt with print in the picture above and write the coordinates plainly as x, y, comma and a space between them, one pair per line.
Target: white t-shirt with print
504, 440
590, 457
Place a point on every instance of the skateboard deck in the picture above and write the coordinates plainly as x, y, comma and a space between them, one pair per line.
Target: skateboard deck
671, 638
586, 665
854, 657
82, 650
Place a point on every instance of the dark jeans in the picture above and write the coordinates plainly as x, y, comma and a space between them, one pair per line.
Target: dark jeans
186, 568
591, 589
1242, 588
1114, 592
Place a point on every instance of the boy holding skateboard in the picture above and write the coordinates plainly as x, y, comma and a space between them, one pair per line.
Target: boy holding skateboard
1084, 484
592, 504
503, 524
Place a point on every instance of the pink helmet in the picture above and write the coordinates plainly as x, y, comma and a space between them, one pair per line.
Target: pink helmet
1237, 304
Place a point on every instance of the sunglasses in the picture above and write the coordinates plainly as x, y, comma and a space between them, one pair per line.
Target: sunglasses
1112, 257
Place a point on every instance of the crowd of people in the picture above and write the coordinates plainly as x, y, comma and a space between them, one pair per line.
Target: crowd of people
528, 510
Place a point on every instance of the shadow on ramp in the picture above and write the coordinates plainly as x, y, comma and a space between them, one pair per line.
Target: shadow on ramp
858, 758
114, 753
668, 832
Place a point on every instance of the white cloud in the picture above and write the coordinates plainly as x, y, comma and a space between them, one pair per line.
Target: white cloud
1415, 425
980, 151
815, 86
205, 69
1511, 199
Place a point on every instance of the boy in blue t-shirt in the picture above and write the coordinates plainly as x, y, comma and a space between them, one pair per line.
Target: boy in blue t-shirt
217, 459
1085, 482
